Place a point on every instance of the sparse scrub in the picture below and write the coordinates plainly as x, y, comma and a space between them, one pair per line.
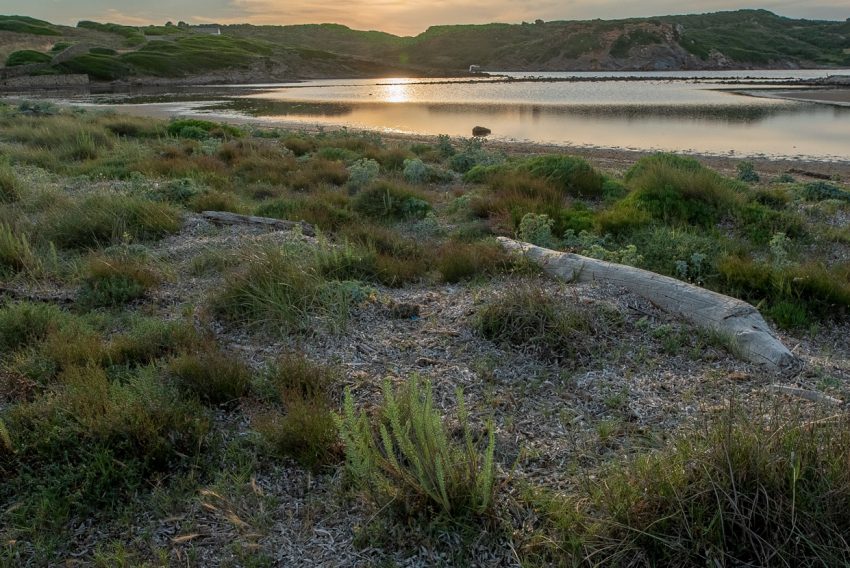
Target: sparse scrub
10, 186
361, 173
16, 252
23, 324
406, 458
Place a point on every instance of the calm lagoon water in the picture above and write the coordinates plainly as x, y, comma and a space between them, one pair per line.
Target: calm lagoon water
709, 112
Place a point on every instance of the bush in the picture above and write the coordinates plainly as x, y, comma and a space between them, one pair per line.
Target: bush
212, 375
537, 230
680, 190
416, 172
387, 201
362, 172
104, 219
215, 201
747, 172
406, 458
114, 280
299, 146
531, 319
27, 57
150, 339
570, 174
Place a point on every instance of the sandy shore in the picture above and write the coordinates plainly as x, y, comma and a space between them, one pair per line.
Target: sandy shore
830, 96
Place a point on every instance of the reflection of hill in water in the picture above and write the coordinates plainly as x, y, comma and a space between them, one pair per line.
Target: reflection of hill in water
738, 113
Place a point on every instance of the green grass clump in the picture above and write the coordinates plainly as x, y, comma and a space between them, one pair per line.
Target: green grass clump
150, 339
113, 280
812, 288
27, 57
66, 138
10, 186
16, 253
529, 318
406, 461
751, 490
674, 189
281, 290
388, 201
458, 261
305, 430
104, 219
212, 375
93, 445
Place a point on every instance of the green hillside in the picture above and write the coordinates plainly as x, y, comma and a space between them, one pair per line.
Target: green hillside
724, 40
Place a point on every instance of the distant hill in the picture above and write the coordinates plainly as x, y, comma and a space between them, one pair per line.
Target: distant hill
742, 39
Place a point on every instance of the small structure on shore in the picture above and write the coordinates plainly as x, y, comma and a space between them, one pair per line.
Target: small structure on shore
208, 29
475, 69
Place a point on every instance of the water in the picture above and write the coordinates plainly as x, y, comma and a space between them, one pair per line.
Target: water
710, 113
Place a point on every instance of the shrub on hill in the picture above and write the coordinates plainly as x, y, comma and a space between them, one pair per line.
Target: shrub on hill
27, 57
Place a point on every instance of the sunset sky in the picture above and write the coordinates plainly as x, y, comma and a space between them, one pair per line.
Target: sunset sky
404, 18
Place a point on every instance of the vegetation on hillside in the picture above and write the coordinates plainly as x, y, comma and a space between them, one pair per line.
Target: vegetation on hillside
159, 371
736, 39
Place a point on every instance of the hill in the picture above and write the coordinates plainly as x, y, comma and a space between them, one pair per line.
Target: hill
742, 39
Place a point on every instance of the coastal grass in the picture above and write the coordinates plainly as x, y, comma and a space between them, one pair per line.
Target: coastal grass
112, 280
750, 488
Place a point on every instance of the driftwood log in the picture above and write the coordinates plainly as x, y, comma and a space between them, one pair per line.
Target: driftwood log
225, 218
739, 321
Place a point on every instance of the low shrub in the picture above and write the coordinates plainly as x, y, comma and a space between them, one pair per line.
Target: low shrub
299, 145
406, 460
537, 230
362, 173
821, 190
387, 201
747, 172
27, 57
196, 129
326, 210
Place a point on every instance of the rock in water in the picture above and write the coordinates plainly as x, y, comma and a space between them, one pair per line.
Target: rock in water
480, 131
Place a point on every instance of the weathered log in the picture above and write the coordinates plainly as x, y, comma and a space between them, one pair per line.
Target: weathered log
225, 218
739, 321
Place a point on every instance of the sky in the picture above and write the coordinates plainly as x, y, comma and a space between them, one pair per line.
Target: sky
402, 18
